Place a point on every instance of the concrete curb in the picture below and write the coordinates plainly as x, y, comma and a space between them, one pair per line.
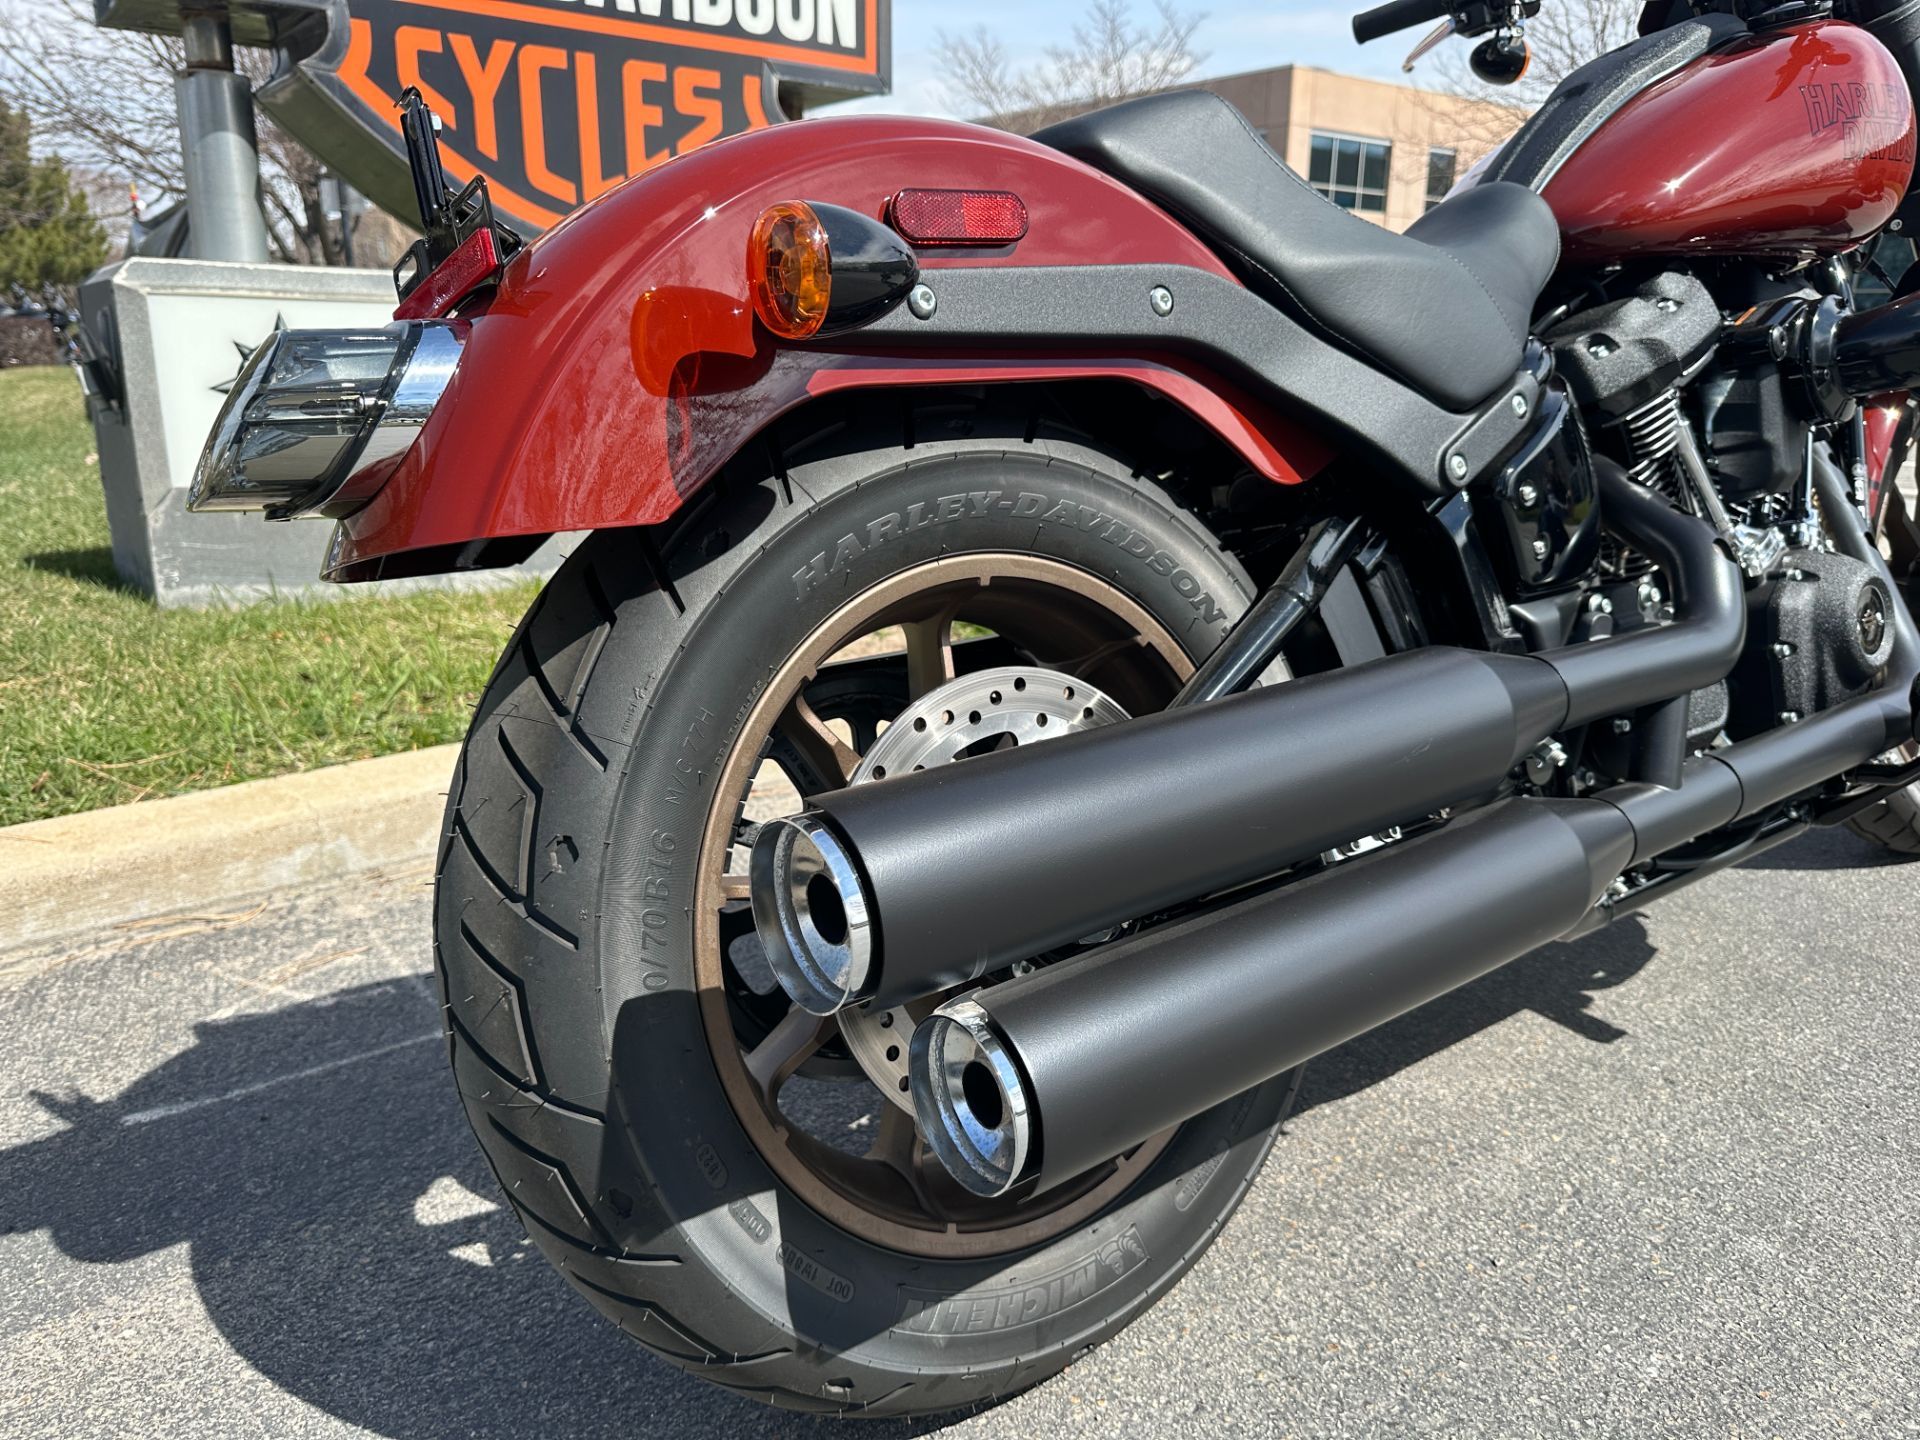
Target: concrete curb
191, 852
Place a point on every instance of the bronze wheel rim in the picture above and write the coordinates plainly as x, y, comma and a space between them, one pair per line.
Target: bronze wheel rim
883, 1186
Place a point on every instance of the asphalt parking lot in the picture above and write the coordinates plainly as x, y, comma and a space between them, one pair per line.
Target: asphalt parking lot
1661, 1182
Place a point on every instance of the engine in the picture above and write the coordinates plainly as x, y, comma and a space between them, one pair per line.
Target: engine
1625, 361
1727, 418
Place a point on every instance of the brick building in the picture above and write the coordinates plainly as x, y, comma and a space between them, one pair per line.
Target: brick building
1386, 152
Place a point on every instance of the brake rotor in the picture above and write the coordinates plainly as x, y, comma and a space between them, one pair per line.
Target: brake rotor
973, 715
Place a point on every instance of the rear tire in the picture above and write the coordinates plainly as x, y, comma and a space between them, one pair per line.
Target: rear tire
1893, 823
568, 931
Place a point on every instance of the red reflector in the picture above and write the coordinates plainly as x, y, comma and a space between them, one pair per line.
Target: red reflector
960, 217
452, 280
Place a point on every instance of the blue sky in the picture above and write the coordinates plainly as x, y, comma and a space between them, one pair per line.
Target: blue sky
1234, 37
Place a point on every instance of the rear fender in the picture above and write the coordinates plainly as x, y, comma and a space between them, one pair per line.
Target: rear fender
618, 365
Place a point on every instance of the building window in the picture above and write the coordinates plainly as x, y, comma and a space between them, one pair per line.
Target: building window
1441, 165
1351, 171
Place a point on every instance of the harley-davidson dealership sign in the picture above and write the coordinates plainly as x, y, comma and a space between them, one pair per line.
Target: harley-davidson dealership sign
554, 101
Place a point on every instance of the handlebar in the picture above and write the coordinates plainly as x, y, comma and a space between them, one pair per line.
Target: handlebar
1398, 15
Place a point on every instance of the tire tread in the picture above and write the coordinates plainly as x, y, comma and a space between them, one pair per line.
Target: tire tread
509, 933
1894, 823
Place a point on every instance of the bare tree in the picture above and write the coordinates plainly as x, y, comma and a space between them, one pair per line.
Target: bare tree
1562, 37
104, 101
1109, 59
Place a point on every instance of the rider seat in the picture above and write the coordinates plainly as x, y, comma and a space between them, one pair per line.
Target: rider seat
1444, 308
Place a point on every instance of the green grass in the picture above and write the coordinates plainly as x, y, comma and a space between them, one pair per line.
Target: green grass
105, 699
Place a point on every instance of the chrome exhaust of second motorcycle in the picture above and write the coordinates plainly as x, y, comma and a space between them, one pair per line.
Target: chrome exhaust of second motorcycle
873, 895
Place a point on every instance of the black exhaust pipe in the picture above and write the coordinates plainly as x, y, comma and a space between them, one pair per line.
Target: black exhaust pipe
966, 868
950, 877
1040, 1078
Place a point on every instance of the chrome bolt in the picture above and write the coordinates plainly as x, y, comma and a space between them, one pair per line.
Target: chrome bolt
1622, 725
1457, 467
1599, 348
1788, 717
1541, 549
1666, 305
1527, 496
1161, 299
922, 302
1520, 407
1781, 649
1547, 757
1599, 605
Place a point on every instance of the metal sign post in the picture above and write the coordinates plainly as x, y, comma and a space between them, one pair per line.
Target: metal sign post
217, 138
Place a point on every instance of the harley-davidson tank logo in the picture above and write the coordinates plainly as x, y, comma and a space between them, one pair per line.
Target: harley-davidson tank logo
558, 101
1874, 121
926, 1313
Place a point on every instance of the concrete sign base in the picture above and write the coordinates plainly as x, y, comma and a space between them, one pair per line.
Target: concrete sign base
178, 331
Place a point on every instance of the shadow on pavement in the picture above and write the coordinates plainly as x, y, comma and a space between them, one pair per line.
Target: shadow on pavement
1834, 849
1557, 982
345, 1236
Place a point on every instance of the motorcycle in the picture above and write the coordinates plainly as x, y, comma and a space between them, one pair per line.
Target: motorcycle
1071, 628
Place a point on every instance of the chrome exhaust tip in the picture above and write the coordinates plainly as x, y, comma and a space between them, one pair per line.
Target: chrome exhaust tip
969, 1099
810, 909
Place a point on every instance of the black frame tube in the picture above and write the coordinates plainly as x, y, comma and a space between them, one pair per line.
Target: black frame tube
1257, 637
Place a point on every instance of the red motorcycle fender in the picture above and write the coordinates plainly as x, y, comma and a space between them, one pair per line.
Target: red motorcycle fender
618, 365
1883, 414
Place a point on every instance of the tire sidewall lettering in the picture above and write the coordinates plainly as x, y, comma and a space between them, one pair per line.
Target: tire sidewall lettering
827, 565
784, 1258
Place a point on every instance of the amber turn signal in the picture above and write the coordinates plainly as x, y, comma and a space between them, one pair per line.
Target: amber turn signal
790, 270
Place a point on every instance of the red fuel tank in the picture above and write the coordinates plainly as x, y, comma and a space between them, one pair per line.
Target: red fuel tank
1796, 142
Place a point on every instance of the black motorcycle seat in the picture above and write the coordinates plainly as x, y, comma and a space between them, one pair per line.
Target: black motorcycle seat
1444, 308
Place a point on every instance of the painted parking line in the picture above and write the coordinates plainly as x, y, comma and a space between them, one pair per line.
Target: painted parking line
182, 1107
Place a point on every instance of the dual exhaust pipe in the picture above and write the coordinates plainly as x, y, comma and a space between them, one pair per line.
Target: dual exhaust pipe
883, 893
1046, 1075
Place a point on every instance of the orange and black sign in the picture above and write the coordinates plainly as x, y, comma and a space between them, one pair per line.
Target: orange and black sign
557, 101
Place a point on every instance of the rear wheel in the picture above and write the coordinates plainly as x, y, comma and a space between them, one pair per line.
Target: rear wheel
1895, 821
736, 1183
